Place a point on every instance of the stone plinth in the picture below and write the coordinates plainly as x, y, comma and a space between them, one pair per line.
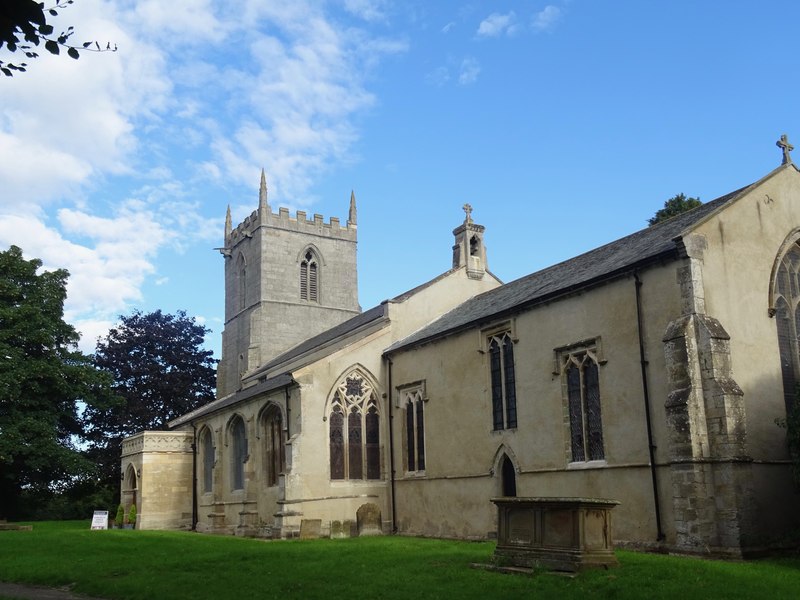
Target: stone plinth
560, 534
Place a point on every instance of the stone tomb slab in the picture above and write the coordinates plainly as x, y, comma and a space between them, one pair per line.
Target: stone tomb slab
559, 534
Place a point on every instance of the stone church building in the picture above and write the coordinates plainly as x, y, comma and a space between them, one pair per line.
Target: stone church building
650, 371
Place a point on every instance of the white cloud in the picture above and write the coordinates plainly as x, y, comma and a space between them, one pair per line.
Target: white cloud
201, 93
546, 19
438, 77
369, 10
496, 24
469, 71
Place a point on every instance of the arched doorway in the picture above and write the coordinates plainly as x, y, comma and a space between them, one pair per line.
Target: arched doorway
508, 477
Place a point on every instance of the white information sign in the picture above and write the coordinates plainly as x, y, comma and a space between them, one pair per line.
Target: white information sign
100, 519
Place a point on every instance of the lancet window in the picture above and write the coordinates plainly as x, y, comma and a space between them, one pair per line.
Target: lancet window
207, 448
503, 381
582, 380
415, 429
238, 453
274, 453
354, 430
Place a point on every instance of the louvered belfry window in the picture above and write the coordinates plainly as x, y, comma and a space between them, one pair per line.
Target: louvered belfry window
309, 278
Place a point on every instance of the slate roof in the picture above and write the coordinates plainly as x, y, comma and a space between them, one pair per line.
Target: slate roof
273, 383
601, 264
367, 317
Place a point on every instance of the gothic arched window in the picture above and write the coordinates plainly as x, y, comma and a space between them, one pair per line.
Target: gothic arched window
238, 453
309, 277
415, 429
503, 380
583, 402
207, 448
274, 454
354, 433
786, 303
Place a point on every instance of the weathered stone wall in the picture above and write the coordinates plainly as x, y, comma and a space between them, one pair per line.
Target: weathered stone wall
451, 497
162, 462
273, 317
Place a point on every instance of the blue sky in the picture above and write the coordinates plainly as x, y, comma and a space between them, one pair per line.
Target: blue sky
566, 124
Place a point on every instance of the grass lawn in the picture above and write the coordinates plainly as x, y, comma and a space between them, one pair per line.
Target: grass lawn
138, 565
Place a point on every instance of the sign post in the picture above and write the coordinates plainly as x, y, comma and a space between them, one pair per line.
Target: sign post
100, 519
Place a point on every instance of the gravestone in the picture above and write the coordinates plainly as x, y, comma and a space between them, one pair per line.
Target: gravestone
310, 529
368, 517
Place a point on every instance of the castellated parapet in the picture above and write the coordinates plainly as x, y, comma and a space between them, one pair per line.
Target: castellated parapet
287, 278
299, 223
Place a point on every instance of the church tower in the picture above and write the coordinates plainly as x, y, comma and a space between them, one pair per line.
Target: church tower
286, 279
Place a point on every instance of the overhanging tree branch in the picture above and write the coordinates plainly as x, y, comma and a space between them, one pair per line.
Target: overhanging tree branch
23, 26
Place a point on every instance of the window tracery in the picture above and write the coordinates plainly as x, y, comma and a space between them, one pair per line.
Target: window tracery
356, 444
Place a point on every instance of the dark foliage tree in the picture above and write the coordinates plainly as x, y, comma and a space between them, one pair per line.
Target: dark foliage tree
42, 377
674, 206
160, 371
23, 26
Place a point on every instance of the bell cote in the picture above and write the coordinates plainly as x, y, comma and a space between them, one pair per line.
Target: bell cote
469, 250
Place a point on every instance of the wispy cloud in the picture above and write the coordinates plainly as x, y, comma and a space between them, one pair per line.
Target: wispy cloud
468, 71
497, 24
508, 25
546, 19
201, 93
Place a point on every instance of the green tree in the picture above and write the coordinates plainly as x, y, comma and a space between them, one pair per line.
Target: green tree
674, 206
42, 378
160, 371
23, 26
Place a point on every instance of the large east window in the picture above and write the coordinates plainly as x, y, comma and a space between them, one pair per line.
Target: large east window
354, 430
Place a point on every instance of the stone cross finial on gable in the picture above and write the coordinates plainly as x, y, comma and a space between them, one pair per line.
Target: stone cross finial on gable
784, 145
468, 211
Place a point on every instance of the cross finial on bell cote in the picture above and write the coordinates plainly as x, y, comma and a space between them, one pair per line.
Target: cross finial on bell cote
786, 147
468, 211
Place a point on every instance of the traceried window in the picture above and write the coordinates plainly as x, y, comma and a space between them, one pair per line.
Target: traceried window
238, 453
581, 376
354, 422
274, 453
503, 384
309, 277
414, 404
207, 446
786, 303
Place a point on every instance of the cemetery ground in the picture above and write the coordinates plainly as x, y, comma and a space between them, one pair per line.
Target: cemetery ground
126, 564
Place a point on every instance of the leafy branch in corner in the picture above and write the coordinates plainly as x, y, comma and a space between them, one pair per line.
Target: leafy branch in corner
24, 26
